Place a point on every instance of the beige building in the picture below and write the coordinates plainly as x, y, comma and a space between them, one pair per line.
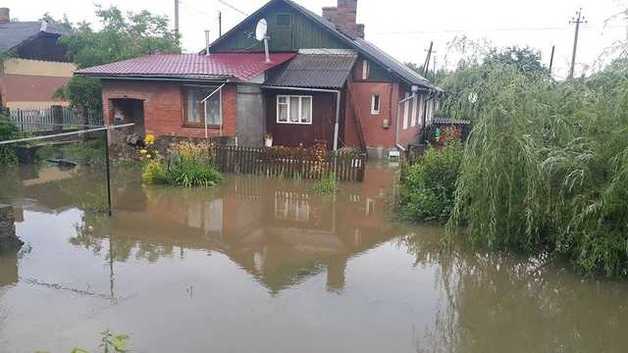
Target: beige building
35, 66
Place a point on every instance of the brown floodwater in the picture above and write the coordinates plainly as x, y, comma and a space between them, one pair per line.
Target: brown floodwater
266, 265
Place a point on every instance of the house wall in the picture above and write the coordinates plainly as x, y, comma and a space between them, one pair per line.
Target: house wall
164, 107
32, 83
323, 120
301, 33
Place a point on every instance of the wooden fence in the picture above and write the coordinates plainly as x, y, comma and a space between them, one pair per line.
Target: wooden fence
52, 118
290, 162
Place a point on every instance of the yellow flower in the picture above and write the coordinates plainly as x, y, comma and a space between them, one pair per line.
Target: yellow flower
149, 139
143, 151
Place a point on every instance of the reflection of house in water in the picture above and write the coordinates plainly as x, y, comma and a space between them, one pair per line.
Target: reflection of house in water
277, 230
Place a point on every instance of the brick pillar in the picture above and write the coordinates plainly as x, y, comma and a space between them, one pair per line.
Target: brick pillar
8, 238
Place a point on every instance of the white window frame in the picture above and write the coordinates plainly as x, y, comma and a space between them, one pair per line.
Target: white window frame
288, 98
379, 104
406, 111
366, 70
415, 102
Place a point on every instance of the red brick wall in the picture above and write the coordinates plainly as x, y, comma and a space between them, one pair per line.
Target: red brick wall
164, 107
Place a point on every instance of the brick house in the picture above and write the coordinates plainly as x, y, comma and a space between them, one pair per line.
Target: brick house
35, 66
322, 82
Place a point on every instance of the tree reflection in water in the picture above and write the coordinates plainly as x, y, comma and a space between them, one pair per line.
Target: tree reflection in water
494, 302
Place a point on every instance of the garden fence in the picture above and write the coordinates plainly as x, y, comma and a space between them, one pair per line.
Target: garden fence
52, 118
290, 162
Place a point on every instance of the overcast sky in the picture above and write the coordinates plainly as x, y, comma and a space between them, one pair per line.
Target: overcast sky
403, 28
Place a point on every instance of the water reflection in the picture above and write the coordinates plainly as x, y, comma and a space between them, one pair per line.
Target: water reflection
265, 265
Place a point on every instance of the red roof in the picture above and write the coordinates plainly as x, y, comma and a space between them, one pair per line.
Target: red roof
242, 66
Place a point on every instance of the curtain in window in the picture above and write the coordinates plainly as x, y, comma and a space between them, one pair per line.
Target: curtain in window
306, 109
196, 110
294, 109
282, 109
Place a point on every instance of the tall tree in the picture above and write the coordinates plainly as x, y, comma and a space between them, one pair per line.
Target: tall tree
123, 36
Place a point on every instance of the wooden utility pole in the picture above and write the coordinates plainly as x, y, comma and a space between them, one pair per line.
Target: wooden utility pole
176, 17
578, 20
426, 66
219, 24
551, 65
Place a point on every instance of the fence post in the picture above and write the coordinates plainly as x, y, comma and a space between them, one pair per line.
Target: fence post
57, 117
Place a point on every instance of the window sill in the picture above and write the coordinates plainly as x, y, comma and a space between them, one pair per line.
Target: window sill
200, 126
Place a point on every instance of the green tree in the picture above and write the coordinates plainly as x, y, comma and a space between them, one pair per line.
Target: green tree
525, 60
121, 37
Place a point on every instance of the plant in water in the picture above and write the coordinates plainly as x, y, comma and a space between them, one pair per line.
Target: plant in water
109, 343
428, 186
188, 164
8, 131
326, 185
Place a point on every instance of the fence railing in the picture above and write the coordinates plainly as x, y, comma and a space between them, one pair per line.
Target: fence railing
53, 118
291, 162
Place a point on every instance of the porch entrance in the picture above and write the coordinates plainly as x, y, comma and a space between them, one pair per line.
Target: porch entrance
127, 110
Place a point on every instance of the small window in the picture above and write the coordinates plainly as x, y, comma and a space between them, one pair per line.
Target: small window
366, 70
283, 20
294, 110
199, 111
375, 104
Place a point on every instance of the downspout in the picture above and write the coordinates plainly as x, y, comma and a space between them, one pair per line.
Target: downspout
397, 144
204, 101
424, 120
338, 95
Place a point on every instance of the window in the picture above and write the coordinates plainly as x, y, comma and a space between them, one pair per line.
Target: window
294, 110
366, 70
415, 102
375, 102
406, 111
197, 111
283, 19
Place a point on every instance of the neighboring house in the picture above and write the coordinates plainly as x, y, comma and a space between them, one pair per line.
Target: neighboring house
33, 65
324, 82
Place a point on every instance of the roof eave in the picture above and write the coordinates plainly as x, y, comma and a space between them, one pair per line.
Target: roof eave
173, 78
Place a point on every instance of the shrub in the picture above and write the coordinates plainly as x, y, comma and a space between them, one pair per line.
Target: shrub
326, 185
188, 164
8, 131
428, 186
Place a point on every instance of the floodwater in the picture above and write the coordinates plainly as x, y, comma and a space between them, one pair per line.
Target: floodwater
265, 265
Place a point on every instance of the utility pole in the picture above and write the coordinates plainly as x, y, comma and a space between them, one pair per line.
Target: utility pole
551, 65
219, 24
426, 66
578, 20
176, 17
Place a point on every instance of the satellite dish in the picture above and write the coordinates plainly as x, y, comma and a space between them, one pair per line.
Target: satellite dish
261, 29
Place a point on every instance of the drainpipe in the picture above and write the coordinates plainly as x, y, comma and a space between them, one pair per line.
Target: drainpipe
338, 95
397, 144
423, 127
204, 101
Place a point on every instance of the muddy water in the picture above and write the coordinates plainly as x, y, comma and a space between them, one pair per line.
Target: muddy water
261, 265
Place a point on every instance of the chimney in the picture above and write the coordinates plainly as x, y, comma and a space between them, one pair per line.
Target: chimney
5, 15
344, 17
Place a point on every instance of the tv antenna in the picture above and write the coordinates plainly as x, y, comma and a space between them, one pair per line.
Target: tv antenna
261, 34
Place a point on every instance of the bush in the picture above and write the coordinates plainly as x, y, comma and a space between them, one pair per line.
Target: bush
326, 185
8, 131
428, 186
188, 165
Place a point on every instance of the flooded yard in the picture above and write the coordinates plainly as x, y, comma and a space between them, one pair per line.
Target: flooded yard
266, 265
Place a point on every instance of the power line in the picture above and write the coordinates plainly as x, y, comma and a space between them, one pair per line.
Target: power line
233, 7
463, 30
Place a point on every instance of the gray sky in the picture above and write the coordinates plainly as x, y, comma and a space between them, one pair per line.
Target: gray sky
403, 28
